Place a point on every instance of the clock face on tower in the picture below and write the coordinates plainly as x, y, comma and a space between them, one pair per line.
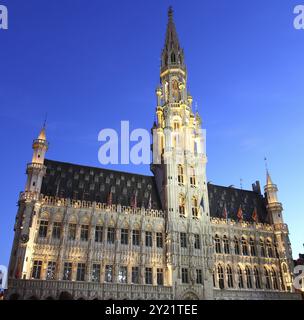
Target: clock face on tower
24, 238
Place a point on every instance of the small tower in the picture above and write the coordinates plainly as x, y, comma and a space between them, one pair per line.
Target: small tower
274, 207
29, 204
36, 169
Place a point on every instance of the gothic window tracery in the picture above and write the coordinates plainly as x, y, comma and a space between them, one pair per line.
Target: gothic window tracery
229, 276
194, 208
217, 244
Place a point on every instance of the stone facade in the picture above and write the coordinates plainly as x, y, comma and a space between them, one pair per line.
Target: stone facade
91, 233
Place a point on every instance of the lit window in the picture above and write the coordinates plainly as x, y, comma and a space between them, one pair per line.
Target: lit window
36, 271
51, 270
95, 277
123, 274
43, 227
84, 232
108, 273
67, 271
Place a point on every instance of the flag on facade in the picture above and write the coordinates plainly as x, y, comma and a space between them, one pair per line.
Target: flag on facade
255, 215
150, 202
240, 213
110, 199
134, 200
225, 213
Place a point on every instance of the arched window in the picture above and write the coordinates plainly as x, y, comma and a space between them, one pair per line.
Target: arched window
248, 277
269, 248
262, 248
180, 174
213, 277
181, 206
284, 267
240, 278
229, 276
257, 278
192, 177
252, 247
226, 245
244, 247
217, 244
236, 246
176, 125
173, 59
194, 208
220, 273
267, 278
274, 279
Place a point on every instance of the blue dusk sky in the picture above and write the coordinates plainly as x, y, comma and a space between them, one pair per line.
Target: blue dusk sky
91, 64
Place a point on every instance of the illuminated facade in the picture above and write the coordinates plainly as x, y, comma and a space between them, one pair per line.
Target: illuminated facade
91, 233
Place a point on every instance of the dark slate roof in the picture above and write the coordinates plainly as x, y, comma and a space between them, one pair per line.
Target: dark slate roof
80, 182
234, 198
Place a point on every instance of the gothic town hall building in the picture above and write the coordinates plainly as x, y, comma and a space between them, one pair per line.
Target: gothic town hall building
91, 233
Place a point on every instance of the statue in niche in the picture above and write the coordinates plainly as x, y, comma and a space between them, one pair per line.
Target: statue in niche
175, 91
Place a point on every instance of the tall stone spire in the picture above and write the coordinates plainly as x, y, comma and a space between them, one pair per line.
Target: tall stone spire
172, 54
